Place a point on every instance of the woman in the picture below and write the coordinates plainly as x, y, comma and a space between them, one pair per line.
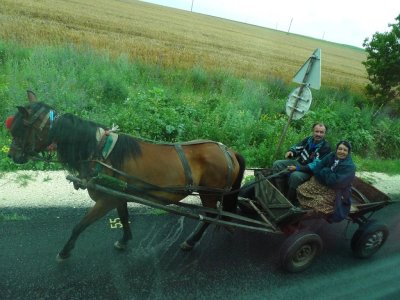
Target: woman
329, 191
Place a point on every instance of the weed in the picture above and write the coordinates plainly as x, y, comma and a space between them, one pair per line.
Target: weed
12, 217
23, 179
47, 178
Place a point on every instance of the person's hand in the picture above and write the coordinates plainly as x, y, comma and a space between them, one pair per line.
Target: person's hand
289, 154
291, 168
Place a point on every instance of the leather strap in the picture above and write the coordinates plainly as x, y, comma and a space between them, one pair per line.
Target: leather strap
186, 167
229, 161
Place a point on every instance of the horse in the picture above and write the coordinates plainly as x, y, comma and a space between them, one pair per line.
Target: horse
206, 167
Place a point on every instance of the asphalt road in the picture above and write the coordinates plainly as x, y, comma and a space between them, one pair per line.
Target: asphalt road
243, 265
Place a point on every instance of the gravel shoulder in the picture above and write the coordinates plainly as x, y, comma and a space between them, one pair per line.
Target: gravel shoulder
52, 189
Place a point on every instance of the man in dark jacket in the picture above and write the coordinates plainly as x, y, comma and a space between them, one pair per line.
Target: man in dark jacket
302, 156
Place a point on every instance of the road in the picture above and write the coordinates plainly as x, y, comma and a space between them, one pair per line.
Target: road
243, 265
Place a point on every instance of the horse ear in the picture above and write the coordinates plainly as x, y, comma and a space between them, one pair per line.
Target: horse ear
23, 111
31, 96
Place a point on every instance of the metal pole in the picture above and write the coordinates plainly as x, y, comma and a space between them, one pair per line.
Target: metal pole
284, 132
191, 8
290, 25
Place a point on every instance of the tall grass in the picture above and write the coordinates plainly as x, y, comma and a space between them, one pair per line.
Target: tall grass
125, 62
145, 32
172, 104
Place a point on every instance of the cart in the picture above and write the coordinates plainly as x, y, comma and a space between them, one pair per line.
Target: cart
267, 210
302, 245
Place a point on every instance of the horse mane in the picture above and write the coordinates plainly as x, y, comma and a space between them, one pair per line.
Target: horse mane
126, 147
76, 142
75, 139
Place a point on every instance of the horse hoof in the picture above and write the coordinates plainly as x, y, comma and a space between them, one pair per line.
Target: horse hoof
61, 258
186, 247
120, 246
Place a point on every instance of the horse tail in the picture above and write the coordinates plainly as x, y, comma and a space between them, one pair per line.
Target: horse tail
230, 200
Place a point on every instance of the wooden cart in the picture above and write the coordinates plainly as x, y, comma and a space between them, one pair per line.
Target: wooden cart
268, 210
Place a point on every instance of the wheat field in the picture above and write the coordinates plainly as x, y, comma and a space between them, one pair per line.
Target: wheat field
177, 39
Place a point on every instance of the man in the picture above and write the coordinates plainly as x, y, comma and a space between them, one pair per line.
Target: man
301, 159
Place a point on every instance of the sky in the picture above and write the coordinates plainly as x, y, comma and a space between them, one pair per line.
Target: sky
341, 21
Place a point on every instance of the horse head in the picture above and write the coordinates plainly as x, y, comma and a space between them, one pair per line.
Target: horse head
29, 129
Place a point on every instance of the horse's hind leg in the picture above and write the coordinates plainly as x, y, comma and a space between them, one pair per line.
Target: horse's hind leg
207, 201
195, 236
124, 218
96, 212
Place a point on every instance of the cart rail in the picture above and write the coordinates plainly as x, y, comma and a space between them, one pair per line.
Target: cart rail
193, 211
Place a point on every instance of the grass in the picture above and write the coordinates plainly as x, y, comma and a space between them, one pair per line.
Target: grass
193, 71
390, 167
145, 32
47, 178
23, 179
12, 217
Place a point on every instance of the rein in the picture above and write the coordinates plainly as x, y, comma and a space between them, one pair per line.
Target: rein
184, 190
173, 189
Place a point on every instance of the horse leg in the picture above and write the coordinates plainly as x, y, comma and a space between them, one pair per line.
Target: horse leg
195, 236
124, 218
96, 212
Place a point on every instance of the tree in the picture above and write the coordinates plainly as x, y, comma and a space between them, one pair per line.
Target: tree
383, 65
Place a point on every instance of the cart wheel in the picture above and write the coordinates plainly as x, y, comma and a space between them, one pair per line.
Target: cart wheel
299, 251
368, 239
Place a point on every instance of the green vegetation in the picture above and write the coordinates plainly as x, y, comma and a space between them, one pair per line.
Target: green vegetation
12, 217
195, 78
171, 105
383, 66
144, 32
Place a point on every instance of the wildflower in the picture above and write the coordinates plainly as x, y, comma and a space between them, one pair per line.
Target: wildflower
5, 149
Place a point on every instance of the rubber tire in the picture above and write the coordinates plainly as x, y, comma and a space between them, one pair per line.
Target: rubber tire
299, 250
373, 235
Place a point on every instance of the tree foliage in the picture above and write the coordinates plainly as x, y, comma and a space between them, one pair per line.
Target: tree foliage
383, 65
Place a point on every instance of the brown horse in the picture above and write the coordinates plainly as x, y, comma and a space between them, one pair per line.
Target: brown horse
206, 167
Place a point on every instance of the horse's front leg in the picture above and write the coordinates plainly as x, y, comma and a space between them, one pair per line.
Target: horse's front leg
96, 212
124, 218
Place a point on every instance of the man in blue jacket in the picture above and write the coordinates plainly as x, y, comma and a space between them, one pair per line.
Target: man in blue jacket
305, 153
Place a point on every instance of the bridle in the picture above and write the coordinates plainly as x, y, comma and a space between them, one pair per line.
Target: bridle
33, 141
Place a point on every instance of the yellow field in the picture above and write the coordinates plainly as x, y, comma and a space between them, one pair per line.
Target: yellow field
171, 37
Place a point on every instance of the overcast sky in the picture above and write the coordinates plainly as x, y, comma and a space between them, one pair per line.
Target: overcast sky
341, 21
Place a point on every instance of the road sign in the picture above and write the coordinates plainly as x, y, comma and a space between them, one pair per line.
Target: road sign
310, 72
299, 101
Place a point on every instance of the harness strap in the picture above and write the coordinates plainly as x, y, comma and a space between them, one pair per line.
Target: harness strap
35, 116
186, 167
101, 144
229, 161
149, 187
44, 121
